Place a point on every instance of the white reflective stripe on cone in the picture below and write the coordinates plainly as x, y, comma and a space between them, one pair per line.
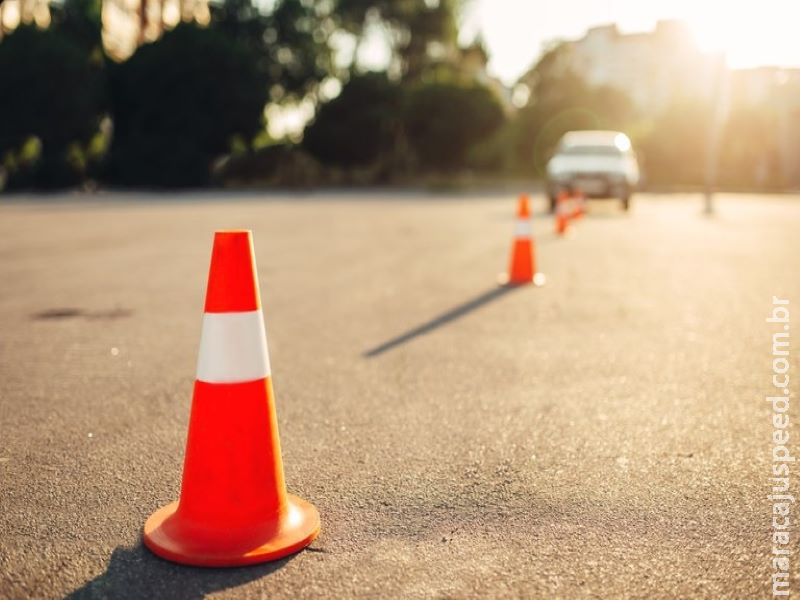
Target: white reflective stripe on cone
233, 348
522, 228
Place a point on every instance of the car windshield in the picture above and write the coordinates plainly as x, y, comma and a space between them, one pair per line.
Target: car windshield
591, 151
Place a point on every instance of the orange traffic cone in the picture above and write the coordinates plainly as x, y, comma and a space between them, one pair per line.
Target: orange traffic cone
522, 268
579, 207
562, 213
233, 508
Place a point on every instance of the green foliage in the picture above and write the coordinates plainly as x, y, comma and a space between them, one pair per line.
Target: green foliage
52, 97
541, 124
290, 42
561, 101
444, 121
552, 77
177, 103
496, 153
279, 164
415, 28
80, 21
358, 127
188, 109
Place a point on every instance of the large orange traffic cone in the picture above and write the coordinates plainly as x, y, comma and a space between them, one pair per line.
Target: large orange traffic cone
562, 213
522, 268
233, 508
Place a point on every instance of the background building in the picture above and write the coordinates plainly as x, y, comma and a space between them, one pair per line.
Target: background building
665, 68
655, 69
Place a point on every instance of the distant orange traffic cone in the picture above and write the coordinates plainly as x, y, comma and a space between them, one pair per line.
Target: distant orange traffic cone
522, 268
579, 204
562, 213
233, 508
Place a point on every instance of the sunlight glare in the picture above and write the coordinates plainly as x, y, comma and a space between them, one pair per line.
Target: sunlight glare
748, 34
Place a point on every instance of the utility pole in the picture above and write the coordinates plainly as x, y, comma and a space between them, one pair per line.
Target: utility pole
719, 100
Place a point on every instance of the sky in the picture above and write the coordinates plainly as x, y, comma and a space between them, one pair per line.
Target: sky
750, 33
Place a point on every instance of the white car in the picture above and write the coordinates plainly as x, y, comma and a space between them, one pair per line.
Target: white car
601, 164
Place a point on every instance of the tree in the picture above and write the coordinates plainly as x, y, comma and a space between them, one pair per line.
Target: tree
560, 101
444, 121
358, 127
81, 21
290, 42
418, 30
553, 75
178, 103
51, 99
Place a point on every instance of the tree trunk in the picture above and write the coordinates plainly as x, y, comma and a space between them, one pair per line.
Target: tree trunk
142, 20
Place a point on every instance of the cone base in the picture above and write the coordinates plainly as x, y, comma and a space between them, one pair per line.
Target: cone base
538, 280
295, 529
565, 231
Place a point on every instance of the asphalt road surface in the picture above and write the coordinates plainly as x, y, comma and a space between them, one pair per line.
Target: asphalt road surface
604, 436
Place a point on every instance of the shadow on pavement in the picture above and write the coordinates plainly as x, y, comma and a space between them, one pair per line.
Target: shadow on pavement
72, 313
137, 573
493, 293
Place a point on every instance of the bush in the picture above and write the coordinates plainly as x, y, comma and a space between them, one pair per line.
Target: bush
80, 21
358, 127
281, 164
445, 121
178, 103
51, 103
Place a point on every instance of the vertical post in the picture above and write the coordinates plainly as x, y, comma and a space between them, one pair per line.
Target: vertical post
719, 100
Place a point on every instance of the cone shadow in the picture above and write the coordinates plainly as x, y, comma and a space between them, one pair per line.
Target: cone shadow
493, 293
137, 573
73, 313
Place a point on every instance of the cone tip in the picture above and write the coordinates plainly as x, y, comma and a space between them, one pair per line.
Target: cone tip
523, 206
221, 234
232, 284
